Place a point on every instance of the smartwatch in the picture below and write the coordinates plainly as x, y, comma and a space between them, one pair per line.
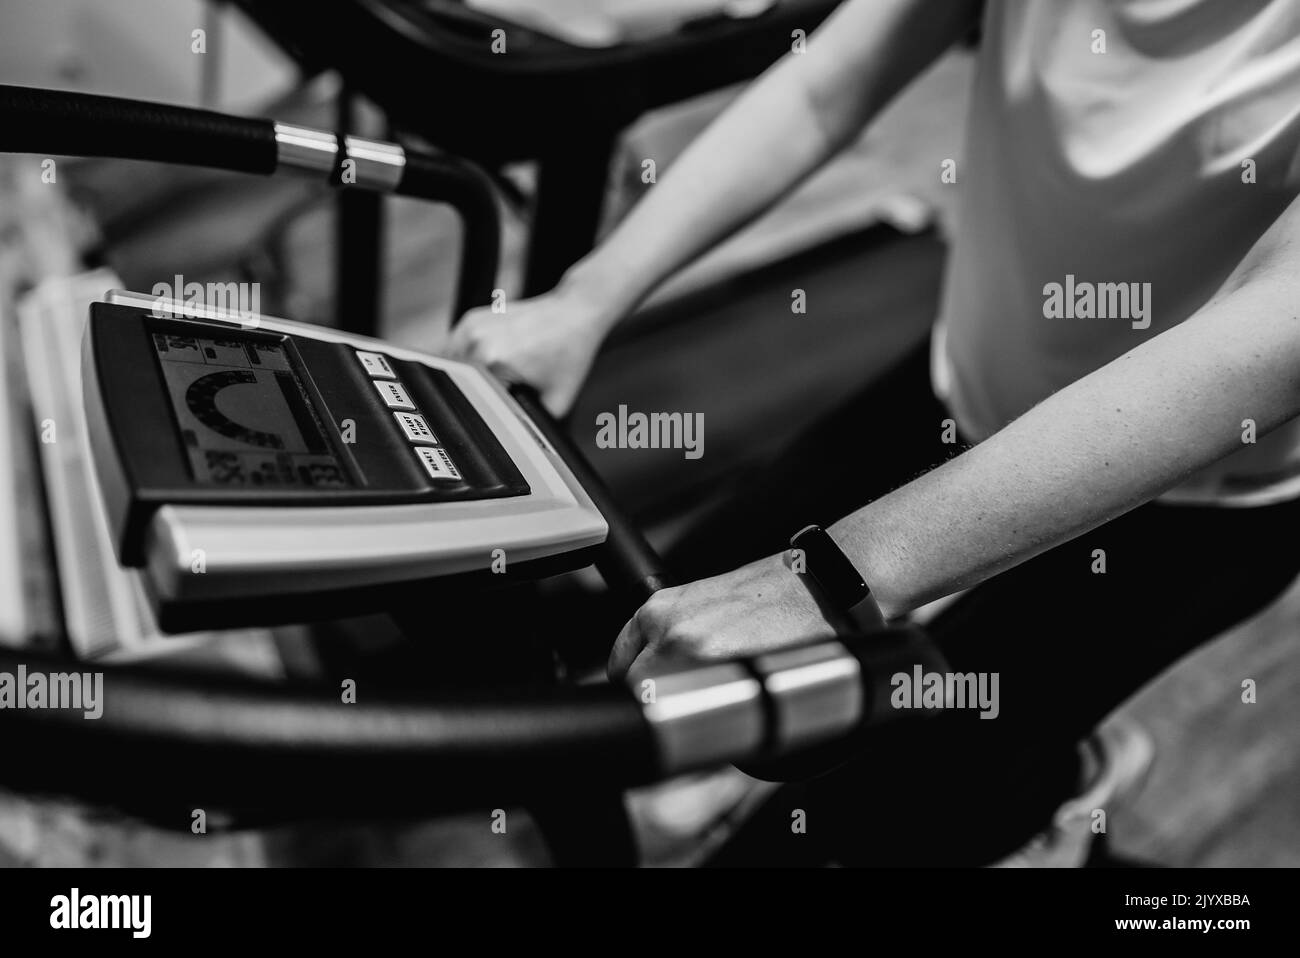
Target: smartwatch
838, 581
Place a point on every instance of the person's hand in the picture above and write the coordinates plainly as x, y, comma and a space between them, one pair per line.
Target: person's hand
757, 608
548, 342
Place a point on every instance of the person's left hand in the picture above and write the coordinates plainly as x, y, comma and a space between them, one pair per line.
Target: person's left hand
757, 608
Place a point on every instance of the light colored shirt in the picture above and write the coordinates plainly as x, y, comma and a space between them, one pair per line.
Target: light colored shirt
1105, 197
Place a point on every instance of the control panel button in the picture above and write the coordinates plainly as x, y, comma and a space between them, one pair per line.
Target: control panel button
416, 429
437, 463
394, 394
376, 365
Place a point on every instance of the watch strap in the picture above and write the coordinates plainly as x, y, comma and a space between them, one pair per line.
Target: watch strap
837, 579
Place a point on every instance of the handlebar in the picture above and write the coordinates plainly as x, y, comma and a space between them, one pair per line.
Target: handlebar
628, 563
81, 124
168, 742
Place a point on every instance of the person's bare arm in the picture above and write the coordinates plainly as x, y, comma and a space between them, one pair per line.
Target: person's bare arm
1112, 440
784, 126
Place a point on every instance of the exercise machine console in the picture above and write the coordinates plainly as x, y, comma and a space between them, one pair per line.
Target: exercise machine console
278, 464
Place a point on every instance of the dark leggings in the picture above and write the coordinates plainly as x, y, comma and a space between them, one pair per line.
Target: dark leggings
1069, 645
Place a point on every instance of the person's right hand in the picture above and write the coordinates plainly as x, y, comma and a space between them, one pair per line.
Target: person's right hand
548, 341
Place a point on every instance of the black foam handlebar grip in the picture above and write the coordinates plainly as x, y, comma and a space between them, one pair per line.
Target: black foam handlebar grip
167, 742
81, 124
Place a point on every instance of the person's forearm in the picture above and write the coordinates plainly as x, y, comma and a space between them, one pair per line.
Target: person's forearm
800, 112
1105, 444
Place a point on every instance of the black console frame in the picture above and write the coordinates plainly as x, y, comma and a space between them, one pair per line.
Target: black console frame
154, 469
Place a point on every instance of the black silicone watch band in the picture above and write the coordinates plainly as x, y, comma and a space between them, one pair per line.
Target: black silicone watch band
837, 578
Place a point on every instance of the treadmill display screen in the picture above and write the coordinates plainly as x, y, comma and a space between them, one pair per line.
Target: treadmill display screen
245, 418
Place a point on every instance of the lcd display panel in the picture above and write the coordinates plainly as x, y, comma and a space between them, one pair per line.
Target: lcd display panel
244, 416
